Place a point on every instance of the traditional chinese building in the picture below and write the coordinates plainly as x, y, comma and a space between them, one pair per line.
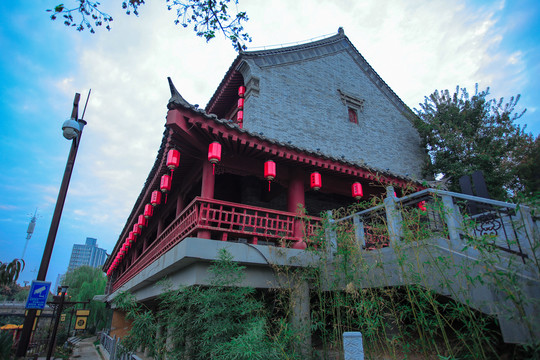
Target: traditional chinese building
288, 132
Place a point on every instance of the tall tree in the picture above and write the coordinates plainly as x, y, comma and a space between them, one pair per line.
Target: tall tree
207, 17
84, 283
464, 133
528, 170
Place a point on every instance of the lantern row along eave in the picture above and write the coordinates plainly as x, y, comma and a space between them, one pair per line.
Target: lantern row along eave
214, 156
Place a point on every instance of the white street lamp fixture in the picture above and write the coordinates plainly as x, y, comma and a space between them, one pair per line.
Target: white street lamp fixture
71, 129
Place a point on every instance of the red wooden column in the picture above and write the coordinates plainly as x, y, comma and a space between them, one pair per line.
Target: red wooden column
160, 227
207, 191
296, 197
179, 204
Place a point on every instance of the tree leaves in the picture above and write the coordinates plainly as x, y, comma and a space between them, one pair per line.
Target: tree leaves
85, 15
84, 283
9, 272
464, 133
207, 17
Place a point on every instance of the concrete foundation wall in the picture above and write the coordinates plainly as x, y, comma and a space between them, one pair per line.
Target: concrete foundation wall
120, 326
187, 264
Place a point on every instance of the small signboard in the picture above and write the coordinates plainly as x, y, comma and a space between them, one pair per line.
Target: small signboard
80, 323
82, 313
37, 297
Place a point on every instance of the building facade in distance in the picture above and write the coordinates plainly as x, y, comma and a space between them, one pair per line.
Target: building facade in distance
87, 254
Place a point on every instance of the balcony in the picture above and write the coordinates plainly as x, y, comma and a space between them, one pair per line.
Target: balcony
226, 221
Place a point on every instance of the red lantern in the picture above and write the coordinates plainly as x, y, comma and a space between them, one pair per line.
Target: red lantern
148, 211
136, 230
316, 181
165, 185
142, 221
269, 171
156, 197
241, 103
240, 116
214, 154
357, 192
241, 91
130, 238
173, 159
422, 206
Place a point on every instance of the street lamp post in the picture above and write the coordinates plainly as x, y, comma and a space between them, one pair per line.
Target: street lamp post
59, 310
72, 130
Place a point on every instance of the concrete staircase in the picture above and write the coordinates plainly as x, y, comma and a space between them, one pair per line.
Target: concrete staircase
480, 252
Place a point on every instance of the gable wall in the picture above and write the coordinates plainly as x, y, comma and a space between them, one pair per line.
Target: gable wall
299, 102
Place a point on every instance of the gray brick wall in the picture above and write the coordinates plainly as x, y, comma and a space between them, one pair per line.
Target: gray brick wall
298, 101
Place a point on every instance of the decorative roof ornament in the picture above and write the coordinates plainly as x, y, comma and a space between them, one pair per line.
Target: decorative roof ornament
176, 98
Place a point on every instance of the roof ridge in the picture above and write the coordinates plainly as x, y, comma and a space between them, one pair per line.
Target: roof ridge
383, 85
293, 44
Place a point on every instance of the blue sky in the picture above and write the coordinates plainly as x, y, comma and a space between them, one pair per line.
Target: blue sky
416, 47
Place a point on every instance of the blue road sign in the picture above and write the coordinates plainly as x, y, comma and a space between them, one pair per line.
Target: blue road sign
37, 297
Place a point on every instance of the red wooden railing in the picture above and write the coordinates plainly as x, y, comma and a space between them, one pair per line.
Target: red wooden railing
226, 221
375, 237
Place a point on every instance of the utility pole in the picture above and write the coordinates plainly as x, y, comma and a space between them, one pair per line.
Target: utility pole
72, 129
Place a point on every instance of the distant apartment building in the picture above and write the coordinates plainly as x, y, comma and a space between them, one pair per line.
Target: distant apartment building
87, 254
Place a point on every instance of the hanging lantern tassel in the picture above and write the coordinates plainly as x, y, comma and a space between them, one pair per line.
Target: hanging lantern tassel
214, 155
269, 172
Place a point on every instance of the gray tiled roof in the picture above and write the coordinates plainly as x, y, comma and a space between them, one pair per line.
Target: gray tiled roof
177, 101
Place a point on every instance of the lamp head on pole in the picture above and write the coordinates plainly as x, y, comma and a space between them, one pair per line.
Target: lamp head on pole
71, 129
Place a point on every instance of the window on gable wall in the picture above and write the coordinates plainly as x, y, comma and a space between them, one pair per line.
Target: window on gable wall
354, 105
353, 115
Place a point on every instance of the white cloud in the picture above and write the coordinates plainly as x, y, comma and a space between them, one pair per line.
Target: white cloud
8, 207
